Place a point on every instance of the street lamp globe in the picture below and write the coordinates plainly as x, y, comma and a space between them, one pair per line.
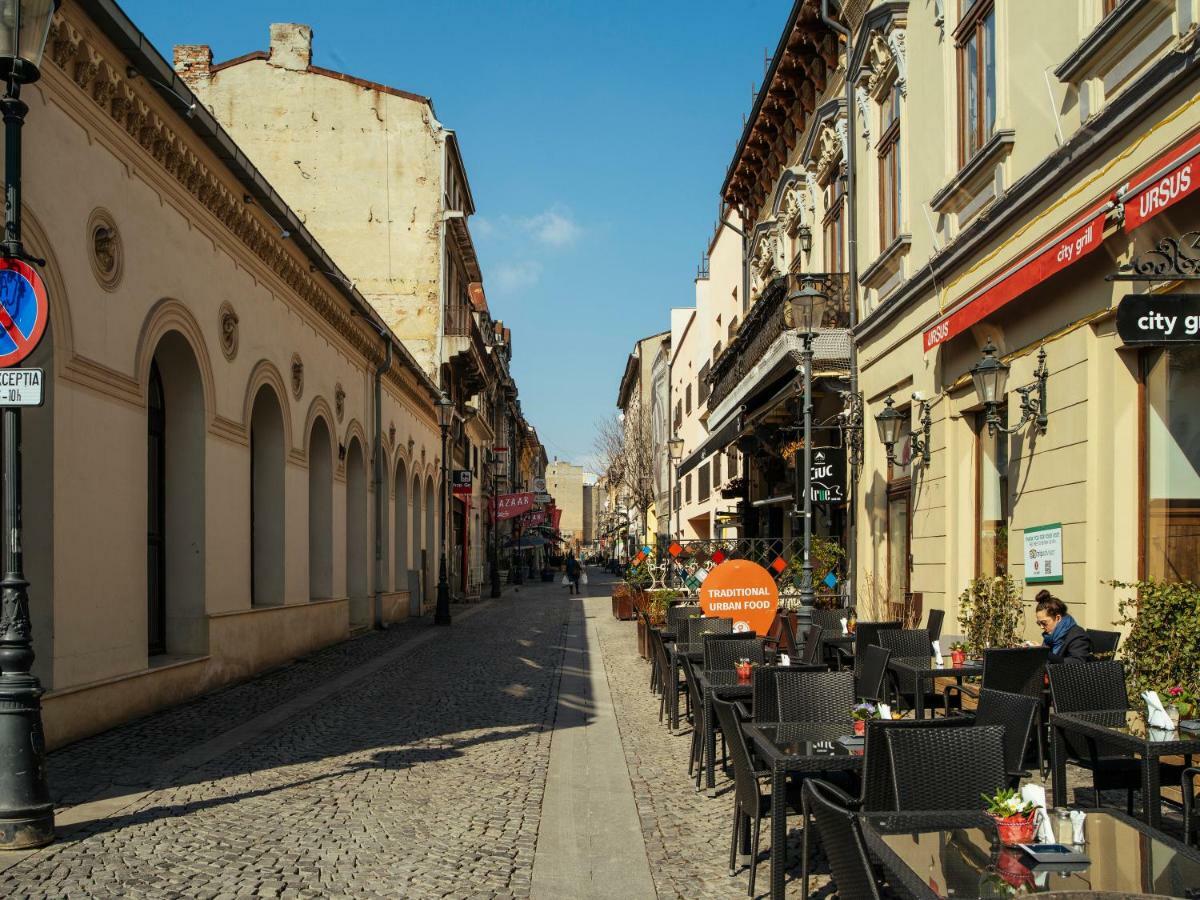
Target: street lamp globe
889, 421
808, 304
24, 28
445, 411
990, 376
675, 449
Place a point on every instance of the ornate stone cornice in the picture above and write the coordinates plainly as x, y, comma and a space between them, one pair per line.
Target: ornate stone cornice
109, 88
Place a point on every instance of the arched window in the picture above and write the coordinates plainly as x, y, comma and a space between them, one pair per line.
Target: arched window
176, 620
356, 536
320, 511
420, 548
266, 500
156, 517
432, 540
401, 514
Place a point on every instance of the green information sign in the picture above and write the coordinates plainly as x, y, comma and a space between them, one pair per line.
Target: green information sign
1043, 556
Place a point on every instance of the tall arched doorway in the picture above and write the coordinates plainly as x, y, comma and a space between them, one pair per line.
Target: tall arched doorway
400, 530
320, 511
267, 449
356, 536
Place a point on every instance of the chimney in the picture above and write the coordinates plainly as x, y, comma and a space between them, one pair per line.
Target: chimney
193, 63
291, 46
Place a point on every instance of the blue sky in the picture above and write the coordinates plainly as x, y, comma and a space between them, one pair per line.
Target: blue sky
595, 136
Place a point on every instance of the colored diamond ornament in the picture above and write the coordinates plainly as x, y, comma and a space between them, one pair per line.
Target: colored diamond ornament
831, 581
675, 549
779, 565
718, 557
700, 575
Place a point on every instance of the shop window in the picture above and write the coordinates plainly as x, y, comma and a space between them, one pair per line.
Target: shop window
889, 168
899, 543
1171, 465
976, 41
991, 499
834, 225
702, 486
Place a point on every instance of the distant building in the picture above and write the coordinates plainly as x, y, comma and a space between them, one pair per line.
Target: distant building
564, 482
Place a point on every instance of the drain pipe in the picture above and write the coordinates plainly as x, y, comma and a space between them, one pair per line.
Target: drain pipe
852, 274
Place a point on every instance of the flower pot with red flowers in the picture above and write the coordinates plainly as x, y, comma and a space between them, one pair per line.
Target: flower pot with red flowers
958, 654
744, 671
1016, 819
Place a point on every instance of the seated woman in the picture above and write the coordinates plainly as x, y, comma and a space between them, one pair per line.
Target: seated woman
1067, 641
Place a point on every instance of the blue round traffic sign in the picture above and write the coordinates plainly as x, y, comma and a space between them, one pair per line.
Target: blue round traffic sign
24, 311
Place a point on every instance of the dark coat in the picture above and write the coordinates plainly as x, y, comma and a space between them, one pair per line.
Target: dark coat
1077, 647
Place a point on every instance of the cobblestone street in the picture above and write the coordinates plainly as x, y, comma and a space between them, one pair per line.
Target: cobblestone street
411, 762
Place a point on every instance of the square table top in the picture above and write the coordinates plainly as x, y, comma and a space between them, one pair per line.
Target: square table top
927, 665
1128, 727
725, 683
956, 854
804, 746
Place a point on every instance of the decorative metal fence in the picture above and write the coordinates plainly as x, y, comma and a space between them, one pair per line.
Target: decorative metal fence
684, 565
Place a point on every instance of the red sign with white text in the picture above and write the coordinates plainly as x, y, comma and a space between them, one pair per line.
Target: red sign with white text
1163, 183
511, 505
1071, 245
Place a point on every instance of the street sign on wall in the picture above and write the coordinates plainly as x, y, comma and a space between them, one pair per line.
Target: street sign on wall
24, 311
460, 481
1043, 554
21, 387
1146, 319
827, 476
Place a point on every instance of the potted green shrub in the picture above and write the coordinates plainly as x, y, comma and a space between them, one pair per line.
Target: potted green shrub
991, 614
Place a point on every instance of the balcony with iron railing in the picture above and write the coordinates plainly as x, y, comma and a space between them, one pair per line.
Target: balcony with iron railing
766, 322
465, 344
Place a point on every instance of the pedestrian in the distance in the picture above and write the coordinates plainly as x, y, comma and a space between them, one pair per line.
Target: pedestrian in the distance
574, 570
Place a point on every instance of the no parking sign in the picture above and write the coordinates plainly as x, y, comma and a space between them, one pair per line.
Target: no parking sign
24, 311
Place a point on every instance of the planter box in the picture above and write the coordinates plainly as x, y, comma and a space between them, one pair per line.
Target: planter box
622, 607
643, 639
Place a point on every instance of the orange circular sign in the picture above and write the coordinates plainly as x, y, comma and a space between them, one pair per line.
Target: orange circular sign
743, 591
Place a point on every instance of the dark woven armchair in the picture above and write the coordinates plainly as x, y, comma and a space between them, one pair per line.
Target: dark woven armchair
1015, 713
865, 634
1098, 686
677, 616
940, 769
908, 642
696, 751
722, 651
841, 837
1104, 643
1013, 670
815, 696
873, 669
1191, 824
878, 793
766, 692
696, 628
934, 623
810, 654
750, 804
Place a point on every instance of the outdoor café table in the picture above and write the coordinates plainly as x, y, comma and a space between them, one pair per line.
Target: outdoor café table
676, 652
926, 669
842, 642
956, 854
796, 748
1128, 730
721, 683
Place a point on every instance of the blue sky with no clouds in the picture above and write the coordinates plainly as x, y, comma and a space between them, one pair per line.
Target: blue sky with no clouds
596, 137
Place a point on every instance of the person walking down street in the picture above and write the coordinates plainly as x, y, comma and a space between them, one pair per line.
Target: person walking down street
574, 570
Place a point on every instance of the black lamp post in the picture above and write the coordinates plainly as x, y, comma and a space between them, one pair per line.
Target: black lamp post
808, 312
441, 615
26, 811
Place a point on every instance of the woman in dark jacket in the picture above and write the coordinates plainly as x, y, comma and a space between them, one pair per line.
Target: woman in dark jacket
1068, 642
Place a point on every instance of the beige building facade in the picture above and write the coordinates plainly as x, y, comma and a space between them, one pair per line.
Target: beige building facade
983, 180
201, 499
564, 482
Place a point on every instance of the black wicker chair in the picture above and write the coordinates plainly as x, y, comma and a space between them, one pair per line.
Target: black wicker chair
865, 634
697, 627
1095, 687
912, 642
1014, 670
810, 654
696, 752
869, 683
815, 696
749, 802
766, 692
653, 656
830, 620
934, 624
677, 617
668, 680
722, 651
946, 768
1191, 824
1016, 714
878, 794
1104, 643
841, 836
785, 641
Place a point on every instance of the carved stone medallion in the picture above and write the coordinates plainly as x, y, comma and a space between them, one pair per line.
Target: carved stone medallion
297, 376
228, 331
339, 401
104, 249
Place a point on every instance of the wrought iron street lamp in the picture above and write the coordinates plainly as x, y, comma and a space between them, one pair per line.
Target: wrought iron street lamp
804, 233
890, 422
498, 474
990, 377
808, 304
675, 452
445, 413
26, 811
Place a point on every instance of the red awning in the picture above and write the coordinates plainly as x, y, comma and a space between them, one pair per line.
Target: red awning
1163, 183
1069, 245
511, 505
